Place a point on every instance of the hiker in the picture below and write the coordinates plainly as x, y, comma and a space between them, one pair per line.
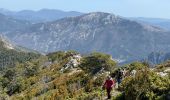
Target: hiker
119, 76
108, 85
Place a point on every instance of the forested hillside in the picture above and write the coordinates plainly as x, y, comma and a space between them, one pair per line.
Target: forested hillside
10, 54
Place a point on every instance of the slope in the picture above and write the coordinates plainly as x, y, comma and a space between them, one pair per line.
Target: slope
122, 38
11, 54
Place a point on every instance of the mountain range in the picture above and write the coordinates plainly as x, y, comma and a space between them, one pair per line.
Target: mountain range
126, 40
163, 23
45, 15
42, 15
9, 24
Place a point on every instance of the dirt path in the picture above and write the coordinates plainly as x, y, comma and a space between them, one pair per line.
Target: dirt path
114, 94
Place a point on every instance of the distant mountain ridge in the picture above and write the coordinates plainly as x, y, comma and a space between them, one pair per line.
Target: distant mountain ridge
8, 24
122, 38
42, 15
163, 23
45, 15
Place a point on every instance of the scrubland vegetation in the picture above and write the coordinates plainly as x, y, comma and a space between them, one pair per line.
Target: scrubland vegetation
43, 79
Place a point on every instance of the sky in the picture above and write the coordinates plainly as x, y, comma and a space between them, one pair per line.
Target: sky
125, 8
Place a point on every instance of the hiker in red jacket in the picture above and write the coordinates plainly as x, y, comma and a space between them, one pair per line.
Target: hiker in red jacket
109, 84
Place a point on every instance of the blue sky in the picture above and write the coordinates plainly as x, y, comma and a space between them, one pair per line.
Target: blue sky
126, 8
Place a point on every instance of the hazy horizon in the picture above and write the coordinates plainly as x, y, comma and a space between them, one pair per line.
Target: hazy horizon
125, 8
83, 12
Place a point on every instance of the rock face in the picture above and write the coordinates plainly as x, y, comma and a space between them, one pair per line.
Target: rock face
158, 57
124, 39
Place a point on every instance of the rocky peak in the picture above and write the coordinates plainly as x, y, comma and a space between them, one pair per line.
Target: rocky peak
98, 17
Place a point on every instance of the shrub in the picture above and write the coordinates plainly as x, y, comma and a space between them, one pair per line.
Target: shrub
96, 61
145, 85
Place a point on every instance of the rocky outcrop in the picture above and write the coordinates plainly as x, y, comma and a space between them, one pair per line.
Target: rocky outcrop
72, 63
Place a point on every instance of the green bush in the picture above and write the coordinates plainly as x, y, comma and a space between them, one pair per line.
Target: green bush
145, 85
94, 62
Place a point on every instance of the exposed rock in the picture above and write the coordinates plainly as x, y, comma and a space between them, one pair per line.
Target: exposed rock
162, 74
72, 63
